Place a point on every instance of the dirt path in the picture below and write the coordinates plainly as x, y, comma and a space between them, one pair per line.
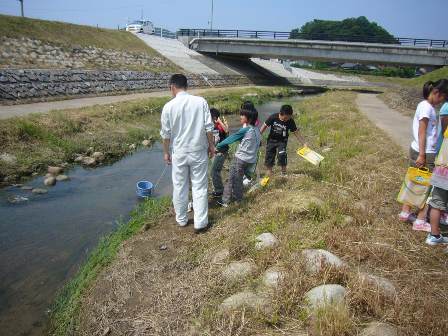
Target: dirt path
395, 124
44, 107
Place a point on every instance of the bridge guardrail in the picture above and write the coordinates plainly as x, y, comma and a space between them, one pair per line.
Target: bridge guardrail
262, 34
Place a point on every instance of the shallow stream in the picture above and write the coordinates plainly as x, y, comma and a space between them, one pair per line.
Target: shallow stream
44, 240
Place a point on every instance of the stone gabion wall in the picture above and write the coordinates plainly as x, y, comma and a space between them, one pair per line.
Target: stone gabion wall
31, 53
19, 85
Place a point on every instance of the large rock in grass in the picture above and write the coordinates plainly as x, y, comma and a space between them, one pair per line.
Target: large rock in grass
362, 206
221, 256
379, 329
273, 277
377, 283
265, 241
247, 300
316, 260
238, 270
303, 203
325, 294
8, 158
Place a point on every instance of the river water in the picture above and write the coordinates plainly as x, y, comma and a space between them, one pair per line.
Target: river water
44, 240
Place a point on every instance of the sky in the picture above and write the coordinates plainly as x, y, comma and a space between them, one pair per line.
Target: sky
402, 18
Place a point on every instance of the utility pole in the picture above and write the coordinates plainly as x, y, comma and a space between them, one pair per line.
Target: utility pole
211, 19
21, 7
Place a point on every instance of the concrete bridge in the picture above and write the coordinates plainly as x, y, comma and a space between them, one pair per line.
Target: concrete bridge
275, 45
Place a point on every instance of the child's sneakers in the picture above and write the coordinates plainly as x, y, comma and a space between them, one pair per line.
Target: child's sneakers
247, 182
223, 204
421, 225
406, 217
433, 240
216, 194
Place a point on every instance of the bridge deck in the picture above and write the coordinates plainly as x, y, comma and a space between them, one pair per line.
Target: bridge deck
360, 52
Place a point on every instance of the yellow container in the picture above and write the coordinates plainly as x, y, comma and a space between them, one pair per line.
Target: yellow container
310, 155
264, 181
419, 175
413, 194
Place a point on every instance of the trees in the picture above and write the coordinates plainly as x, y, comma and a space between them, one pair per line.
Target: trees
352, 29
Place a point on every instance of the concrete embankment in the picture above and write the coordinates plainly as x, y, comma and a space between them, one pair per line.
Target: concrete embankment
22, 85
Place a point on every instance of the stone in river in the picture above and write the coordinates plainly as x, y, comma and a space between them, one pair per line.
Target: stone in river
55, 170
39, 191
50, 181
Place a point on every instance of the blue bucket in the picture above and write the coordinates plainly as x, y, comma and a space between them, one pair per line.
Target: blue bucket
144, 189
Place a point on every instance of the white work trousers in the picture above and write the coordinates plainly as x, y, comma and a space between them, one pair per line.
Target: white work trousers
191, 166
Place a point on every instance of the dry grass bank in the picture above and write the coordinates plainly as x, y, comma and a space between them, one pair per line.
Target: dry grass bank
345, 206
408, 94
68, 37
71, 35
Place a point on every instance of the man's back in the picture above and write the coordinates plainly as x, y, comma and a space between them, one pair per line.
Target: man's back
185, 120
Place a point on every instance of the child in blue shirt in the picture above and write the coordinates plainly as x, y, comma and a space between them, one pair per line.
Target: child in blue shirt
245, 156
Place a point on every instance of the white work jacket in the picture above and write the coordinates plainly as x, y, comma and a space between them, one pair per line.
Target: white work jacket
185, 121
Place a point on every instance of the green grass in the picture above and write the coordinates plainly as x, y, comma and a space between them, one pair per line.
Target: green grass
64, 311
433, 76
71, 35
51, 139
416, 82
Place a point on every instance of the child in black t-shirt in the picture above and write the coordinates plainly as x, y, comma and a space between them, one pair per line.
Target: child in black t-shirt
281, 124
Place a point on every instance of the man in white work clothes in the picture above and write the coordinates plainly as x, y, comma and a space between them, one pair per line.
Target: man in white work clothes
187, 144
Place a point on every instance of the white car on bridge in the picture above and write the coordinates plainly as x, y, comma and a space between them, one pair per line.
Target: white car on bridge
140, 26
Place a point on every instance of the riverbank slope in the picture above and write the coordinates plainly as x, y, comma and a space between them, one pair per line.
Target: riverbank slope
165, 280
408, 93
42, 44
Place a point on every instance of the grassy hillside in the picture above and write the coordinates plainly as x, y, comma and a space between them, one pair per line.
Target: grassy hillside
434, 75
68, 34
408, 94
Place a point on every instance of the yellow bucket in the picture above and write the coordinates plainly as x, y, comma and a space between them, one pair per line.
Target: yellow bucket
419, 175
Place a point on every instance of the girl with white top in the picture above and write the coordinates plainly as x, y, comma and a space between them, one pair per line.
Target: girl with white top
424, 145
